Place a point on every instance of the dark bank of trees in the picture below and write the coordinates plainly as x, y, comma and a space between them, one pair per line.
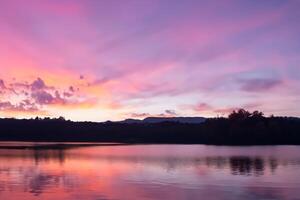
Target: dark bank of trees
240, 128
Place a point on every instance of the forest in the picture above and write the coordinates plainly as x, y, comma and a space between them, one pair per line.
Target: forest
241, 127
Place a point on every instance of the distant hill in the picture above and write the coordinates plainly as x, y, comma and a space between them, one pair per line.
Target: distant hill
131, 121
153, 120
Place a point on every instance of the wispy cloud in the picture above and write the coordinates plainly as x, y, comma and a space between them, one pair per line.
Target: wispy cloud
259, 84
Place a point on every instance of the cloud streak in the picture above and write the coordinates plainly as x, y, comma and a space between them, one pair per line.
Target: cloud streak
259, 85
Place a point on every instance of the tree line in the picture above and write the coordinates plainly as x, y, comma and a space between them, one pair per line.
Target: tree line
241, 127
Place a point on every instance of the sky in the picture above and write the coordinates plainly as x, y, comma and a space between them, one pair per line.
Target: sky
110, 60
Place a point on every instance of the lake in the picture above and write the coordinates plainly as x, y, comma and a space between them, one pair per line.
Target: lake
131, 172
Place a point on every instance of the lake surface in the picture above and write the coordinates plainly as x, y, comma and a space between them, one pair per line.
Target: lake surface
149, 172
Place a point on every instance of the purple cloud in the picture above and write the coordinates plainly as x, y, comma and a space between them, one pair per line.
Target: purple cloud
139, 115
2, 85
37, 95
38, 84
42, 97
71, 89
259, 84
23, 106
67, 94
171, 112
4, 88
5, 105
166, 113
202, 107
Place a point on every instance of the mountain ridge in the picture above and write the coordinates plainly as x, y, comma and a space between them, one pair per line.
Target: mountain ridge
153, 120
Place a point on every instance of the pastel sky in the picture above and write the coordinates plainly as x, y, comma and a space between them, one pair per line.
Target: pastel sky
99, 60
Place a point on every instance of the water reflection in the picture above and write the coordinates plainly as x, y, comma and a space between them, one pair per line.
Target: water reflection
47, 155
247, 165
239, 165
150, 172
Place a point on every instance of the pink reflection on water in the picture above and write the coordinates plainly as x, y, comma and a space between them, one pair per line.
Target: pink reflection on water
151, 172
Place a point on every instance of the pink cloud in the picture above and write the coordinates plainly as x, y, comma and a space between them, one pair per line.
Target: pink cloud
202, 107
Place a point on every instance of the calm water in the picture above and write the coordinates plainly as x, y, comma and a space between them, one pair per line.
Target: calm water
150, 172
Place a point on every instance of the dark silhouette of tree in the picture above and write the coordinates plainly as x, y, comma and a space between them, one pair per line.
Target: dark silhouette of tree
61, 118
257, 114
242, 114
239, 114
240, 128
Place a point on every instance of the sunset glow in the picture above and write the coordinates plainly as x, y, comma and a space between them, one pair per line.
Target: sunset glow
111, 60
